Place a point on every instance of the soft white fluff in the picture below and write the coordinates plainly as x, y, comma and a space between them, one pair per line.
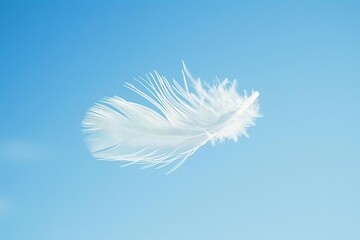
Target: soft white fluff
184, 121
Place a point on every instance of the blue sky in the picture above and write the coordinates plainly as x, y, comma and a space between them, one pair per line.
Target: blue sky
296, 177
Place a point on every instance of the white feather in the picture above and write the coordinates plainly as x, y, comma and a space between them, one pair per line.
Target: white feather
120, 130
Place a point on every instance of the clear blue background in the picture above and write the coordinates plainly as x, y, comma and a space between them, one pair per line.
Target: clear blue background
296, 177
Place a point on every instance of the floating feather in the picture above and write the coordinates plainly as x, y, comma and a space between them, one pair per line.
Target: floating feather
184, 121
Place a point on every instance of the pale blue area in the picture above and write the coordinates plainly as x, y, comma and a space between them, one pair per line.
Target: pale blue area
296, 177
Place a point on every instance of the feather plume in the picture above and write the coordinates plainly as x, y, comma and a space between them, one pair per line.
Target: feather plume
185, 120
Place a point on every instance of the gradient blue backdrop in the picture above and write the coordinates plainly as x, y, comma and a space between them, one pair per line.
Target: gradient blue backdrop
296, 177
